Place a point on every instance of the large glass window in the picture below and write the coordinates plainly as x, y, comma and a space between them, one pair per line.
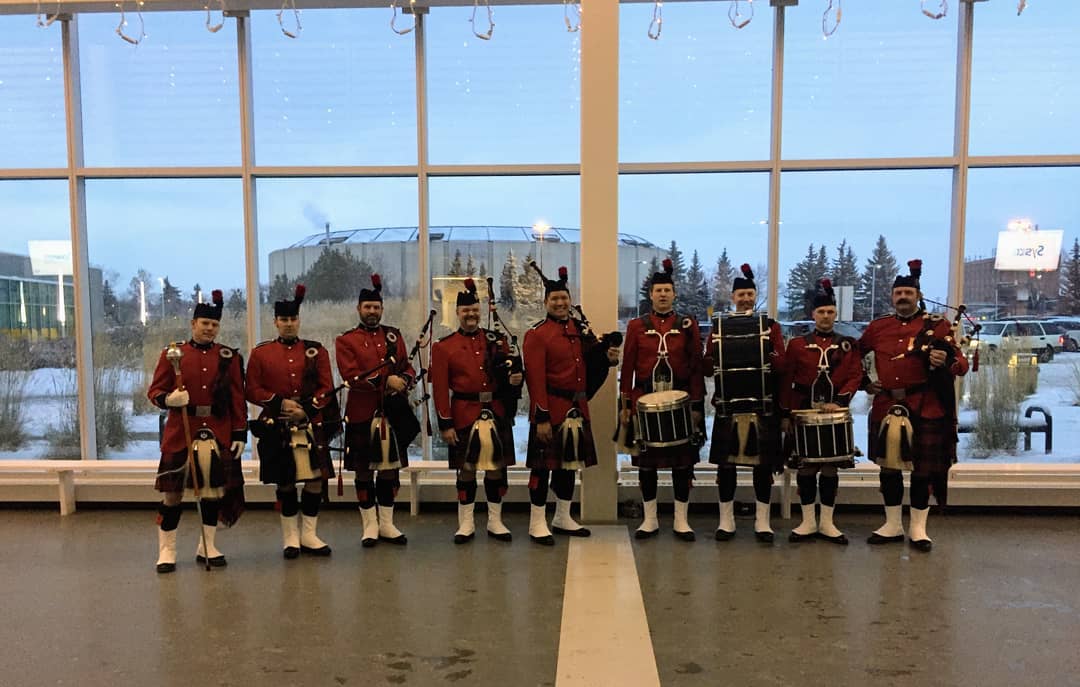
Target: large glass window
171, 100
31, 95
161, 246
37, 319
343, 94
700, 92
1025, 293
494, 226
882, 85
512, 99
1023, 79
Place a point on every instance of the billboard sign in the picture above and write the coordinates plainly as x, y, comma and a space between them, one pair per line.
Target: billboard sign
50, 257
1028, 251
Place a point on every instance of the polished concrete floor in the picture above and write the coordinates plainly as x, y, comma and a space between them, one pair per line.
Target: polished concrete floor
996, 603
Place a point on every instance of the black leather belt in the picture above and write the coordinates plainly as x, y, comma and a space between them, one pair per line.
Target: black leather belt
902, 393
199, 411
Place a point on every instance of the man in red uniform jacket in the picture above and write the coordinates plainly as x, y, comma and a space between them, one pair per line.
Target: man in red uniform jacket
291, 380
470, 377
378, 416
914, 366
212, 396
662, 352
722, 448
822, 370
558, 353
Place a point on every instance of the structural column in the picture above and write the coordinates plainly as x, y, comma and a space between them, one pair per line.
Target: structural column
599, 230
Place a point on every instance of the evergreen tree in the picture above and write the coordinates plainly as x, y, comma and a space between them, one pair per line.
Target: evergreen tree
695, 300
145, 279
645, 292
844, 270
470, 267
173, 303
109, 303
237, 303
721, 282
1069, 299
528, 289
507, 278
799, 280
280, 289
334, 275
876, 281
678, 265
195, 291
483, 270
456, 268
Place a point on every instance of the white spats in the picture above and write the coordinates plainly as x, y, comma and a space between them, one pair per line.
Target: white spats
563, 522
466, 523
166, 550
827, 527
387, 531
682, 524
495, 526
918, 525
309, 539
894, 524
762, 512
290, 533
370, 521
604, 638
809, 524
217, 559
538, 528
650, 524
727, 517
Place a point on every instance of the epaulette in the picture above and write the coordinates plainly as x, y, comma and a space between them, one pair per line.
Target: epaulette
538, 323
882, 317
263, 343
174, 343
444, 338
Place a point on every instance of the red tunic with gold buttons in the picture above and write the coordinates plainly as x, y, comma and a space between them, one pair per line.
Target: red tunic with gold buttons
906, 379
213, 376
359, 350
641, 350
298, 370
464, 383
555, 374
801, 365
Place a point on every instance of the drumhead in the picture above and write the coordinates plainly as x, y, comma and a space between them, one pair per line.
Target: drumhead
821, 417
659, 400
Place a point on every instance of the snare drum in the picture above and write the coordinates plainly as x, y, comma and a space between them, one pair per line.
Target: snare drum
664, 419
741, 351
824, 438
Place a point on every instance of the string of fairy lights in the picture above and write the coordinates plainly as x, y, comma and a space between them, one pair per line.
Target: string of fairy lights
740, 15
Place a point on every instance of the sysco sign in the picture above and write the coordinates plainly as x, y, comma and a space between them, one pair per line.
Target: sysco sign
1029, 250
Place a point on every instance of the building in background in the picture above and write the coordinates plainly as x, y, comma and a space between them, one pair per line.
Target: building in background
992, 294
30, 305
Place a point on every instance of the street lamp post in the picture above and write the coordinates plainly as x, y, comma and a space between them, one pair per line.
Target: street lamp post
540, 228
142, 301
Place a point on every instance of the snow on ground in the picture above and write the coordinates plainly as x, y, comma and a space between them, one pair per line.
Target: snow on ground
50, 396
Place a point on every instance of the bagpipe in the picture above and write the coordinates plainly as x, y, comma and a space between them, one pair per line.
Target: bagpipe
594, 347
505, 364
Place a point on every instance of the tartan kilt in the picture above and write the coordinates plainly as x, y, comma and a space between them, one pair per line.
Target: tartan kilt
770, 444
654, 458
549, 456
228, 474
358, 448
276, 464
458, 454
934, 447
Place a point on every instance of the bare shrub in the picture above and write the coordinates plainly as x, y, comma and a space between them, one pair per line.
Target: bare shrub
993, 393
14, 378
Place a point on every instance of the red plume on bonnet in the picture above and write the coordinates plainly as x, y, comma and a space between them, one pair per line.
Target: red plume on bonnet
298, 295
217, 297
747, 272
826, 284
563, 274
376, 281
668, 267
915, 267
470, 285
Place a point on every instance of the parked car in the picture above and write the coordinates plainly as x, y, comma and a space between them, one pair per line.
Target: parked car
1072, 340
1042, 338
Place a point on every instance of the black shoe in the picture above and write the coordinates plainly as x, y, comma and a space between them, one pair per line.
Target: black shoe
876, 539
399, 540
923, 545
368, 543
215, 562
764, 537
463, 538
838, 539
795, 537
684, 536
546, 540
504, 536
723, 535
321, 551
166, 567
646, 534
579, 532
290, 552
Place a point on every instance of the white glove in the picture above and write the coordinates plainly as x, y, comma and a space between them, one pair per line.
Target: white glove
237, 448
177, 398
